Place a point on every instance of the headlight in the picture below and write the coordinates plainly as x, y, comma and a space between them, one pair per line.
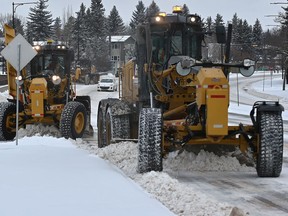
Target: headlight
37, 47
193, 19
19, 80
56, 80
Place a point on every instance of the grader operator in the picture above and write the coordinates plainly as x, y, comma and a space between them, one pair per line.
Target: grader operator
47, 93
170, 98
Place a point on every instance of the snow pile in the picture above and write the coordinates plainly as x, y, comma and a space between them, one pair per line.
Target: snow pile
39, 130
204, 161
179, 198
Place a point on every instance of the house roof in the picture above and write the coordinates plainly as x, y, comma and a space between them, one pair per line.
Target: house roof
120, 38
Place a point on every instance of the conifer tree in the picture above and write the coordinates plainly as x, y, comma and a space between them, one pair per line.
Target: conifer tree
68, 31
97, 48
257, 33
96, 19
219, 20
247, 33
57, 29
115, 23
208, 23
138, 16
40, 22
152, 10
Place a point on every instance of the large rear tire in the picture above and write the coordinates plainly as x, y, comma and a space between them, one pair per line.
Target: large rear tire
150, 140
7, 121
73, 120
101, 123
270, 152
113, 121
117, 126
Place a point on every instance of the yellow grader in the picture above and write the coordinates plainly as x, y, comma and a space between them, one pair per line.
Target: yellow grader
170, 98
47, 93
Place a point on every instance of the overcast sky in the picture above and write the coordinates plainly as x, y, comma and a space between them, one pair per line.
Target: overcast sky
245, 9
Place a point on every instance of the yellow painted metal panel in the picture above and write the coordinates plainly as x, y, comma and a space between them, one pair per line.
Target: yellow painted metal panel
217, 112
37, 104
38, 92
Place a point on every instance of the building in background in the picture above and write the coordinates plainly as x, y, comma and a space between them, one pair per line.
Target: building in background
121, 50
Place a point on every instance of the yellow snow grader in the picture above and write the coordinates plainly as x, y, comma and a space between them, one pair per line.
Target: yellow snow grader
170, 98
46, 93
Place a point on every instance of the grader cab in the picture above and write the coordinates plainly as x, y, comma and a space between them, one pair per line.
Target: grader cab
47, 93
171, 98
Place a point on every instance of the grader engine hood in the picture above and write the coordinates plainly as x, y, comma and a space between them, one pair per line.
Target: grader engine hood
213, 92
38, 93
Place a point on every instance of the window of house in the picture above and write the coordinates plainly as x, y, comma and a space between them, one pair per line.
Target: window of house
115, 58
115, 46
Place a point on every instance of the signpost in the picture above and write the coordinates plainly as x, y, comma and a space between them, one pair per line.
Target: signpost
14, 54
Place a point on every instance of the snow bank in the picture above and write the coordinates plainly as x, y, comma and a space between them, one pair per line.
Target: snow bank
179, 198
164, 186
204, 161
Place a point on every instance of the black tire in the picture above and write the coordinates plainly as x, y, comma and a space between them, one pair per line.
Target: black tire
73, 120
113, 121
101, 124
117, 126
270, 152
150, 140
7, 121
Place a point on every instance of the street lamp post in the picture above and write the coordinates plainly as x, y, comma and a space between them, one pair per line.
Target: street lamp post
14, 7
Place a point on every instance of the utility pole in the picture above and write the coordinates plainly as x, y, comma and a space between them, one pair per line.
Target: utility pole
14, 7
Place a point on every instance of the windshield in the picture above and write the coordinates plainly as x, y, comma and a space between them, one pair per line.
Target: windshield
48, 63
176, 40
106, 80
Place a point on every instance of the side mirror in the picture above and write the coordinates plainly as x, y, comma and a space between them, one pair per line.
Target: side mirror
249, 68
221, 34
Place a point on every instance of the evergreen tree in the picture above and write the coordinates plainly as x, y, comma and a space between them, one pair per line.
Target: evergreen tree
257, 33
247, 33
235, 22
97, 45
58, 30
208, 23
138, 16
239, 32
96, 19
68, 31
185, 10
39, 24
115, 23
79, 32
152, 10
219, 20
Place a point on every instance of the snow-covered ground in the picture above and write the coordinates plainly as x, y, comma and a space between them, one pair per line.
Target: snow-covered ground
48, 175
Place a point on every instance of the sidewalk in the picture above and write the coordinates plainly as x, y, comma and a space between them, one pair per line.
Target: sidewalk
49, 177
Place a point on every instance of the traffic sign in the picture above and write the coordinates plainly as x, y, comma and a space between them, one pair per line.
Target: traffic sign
12, 52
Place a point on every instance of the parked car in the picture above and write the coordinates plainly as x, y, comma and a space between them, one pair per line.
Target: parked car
107, 83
